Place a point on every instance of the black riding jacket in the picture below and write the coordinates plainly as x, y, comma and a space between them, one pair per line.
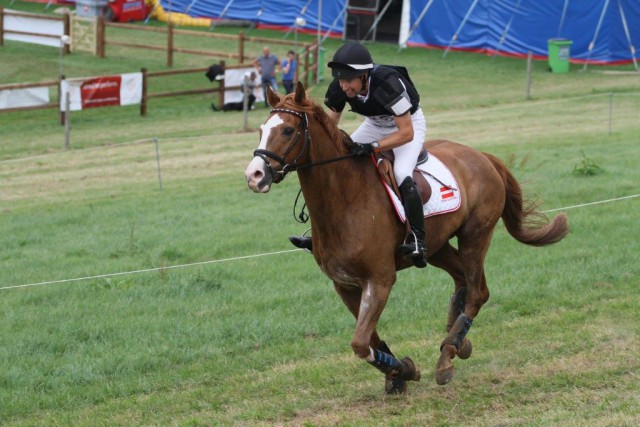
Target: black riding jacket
390, 93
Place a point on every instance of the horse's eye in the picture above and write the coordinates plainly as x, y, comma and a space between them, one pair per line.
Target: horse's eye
288, 131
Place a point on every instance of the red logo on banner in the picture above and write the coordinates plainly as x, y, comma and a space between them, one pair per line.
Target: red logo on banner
100, 92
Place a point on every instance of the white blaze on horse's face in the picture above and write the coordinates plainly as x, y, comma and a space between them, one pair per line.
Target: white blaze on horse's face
255, 172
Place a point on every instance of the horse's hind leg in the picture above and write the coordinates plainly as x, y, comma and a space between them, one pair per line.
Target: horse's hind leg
466, 268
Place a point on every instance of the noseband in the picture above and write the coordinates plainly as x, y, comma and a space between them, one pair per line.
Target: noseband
265, 155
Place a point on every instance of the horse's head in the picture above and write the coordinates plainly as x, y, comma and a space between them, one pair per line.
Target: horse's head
284, 140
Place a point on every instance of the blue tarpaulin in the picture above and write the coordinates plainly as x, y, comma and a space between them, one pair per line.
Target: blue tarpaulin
529, 25
512, 27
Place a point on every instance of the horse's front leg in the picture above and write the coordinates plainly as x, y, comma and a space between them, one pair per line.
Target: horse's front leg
366, 303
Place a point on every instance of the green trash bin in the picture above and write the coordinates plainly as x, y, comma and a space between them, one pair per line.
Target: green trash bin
559, 54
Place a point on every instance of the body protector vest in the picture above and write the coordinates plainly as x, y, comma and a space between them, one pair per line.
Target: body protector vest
391, 93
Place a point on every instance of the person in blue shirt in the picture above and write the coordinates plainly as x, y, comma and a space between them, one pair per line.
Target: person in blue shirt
289, 67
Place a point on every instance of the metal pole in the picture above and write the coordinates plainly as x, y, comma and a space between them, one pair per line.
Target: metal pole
245, 102
318, 38
529, 61
67, 127
464, 21
155, 141
595, 36
402, 44
610, 110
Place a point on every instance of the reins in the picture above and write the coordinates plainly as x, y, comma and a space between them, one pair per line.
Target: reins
293, 166
265, 155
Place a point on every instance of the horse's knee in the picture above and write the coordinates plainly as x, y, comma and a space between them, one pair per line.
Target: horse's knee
361, 349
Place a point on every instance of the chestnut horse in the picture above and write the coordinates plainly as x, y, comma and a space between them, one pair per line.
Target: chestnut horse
356, 233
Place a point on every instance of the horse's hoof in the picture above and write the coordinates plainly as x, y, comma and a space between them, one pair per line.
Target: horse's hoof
444, 369
445, 376
395, 386
465, 349
410, 372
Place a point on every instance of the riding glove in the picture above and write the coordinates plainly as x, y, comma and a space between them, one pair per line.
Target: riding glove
364, 149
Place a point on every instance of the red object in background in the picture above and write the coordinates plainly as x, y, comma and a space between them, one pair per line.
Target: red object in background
100, 92
126, 10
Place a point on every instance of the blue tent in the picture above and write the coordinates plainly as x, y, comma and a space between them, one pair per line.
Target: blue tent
602, 31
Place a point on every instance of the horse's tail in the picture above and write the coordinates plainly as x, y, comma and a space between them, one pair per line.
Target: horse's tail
525, 223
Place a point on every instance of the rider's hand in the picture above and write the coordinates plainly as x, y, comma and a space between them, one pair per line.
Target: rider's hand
364, 149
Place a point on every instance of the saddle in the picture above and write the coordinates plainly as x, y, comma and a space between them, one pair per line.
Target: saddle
385, 161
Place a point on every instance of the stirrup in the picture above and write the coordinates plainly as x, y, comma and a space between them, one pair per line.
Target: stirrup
414, 251
303, 242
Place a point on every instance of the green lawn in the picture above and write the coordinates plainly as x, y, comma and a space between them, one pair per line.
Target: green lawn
231, 327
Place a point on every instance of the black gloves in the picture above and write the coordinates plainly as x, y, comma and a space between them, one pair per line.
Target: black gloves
364, 149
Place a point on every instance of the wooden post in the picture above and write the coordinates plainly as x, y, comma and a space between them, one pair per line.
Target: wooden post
60, 100
241, 46
1, 26
143, 100
306, 66
221, 88
529, 60
100, 36
66, 19
315, 64
170, 45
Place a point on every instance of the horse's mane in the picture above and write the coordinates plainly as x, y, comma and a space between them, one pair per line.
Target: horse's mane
308, 106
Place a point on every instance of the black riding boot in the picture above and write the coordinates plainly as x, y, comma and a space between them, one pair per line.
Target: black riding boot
302, 242
413, 247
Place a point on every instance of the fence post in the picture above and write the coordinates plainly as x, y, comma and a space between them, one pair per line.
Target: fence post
306, 66
170, 45
1, 26
315, 64
66, 19
155, 140
610, 111
143, 100
221, 87
101, 35
529, 60
60, 100
241, 46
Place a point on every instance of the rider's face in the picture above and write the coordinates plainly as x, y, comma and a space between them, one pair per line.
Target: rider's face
351, 86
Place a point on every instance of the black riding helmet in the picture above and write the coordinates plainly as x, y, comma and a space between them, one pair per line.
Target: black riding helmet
350, 60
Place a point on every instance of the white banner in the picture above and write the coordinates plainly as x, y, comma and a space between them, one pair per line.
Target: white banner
32, 25
235, 78
28, 97
123, 89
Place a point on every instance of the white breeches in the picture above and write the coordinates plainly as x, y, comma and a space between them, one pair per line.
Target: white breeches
406, 155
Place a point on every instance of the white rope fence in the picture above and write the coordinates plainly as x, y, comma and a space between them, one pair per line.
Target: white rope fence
172, 267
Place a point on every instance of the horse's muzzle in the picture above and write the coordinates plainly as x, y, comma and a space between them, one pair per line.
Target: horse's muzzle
260, 176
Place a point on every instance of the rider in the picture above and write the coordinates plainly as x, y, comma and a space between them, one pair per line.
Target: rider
390, 104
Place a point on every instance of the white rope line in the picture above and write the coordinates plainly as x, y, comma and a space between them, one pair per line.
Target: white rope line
146, 270
592, 203
171, 267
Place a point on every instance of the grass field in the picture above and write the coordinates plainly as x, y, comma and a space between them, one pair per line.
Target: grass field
227, 325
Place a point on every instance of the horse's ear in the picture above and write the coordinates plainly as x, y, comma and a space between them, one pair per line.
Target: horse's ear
301, 94
272, 97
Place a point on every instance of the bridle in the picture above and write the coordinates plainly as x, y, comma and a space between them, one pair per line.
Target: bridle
303, 129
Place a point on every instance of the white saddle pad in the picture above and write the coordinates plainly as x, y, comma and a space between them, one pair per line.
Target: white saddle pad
445, 196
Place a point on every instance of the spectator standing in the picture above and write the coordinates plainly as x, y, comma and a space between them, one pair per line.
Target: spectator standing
266, 65
289, 68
